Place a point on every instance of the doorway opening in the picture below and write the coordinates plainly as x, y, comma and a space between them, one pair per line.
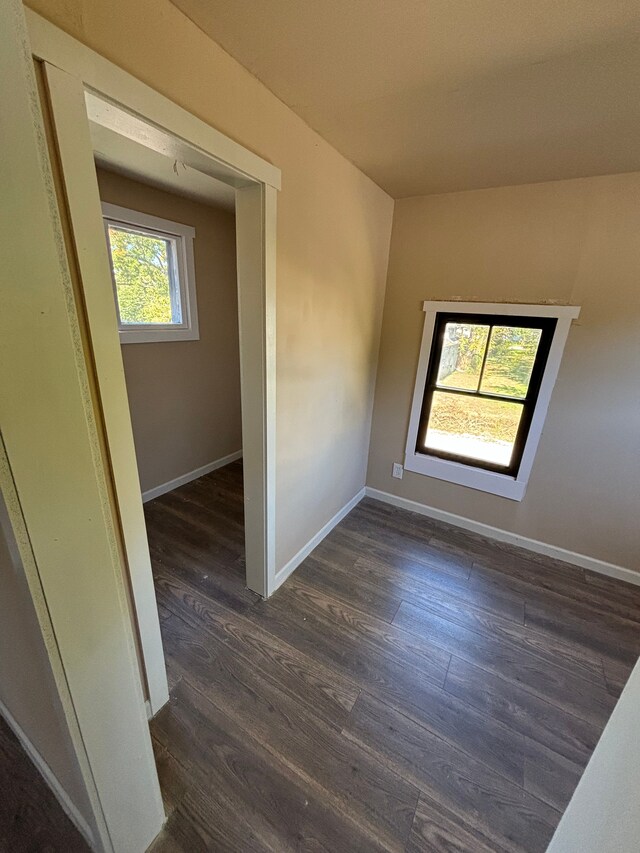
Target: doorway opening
131, 184
170, 234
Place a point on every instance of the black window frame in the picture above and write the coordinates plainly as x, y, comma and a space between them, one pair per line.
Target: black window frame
546, 324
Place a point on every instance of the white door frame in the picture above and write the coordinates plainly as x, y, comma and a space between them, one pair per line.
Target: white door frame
82, 85
54, 481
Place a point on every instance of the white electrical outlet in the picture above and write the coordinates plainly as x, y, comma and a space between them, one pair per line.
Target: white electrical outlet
398, 471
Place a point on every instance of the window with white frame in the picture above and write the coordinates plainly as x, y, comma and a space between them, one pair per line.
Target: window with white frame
484, 381
153, 276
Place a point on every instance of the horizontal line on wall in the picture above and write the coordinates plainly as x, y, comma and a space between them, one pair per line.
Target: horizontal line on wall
315, 540
162, 489
554, 551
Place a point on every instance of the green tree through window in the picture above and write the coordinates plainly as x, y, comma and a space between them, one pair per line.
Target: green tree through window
481, 390
142, 272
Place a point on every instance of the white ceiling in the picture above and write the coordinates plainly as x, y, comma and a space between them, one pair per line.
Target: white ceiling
433, 96
119, 154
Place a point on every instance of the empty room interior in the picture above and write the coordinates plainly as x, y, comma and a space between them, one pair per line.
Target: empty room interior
319, 427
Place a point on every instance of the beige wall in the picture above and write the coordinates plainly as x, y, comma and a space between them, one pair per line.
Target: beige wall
27, 688
185, 395
571, 242
333, 236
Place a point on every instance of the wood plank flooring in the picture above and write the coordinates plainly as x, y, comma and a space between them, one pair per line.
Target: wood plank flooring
410, 688
31, 818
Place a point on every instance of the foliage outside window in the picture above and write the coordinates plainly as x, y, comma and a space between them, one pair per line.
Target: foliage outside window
482, 387
152, 272
476, 400
142, 269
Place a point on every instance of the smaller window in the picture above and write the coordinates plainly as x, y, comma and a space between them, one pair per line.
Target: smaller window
152, 269
484, 380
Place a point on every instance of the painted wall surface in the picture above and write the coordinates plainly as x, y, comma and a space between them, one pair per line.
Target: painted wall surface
333, 239
185, 395
27, 687
603, 814
574, 242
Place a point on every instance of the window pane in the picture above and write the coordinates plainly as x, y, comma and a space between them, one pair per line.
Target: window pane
461, 358
512, 352
142, 269
473, 427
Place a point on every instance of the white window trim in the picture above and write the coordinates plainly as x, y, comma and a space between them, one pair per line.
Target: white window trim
183, 235
504, 485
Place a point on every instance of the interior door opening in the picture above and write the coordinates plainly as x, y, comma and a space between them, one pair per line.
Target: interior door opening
200, 390
181, 358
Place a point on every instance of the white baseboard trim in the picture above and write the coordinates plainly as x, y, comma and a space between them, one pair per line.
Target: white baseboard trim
304, 552
554, 551
49, 777
162, 489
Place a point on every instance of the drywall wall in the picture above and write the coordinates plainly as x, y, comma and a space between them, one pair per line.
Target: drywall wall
28, 694
603, 814
333, 239
185, 395
573, 242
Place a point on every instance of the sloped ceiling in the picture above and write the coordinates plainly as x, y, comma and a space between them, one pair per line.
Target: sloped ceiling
432, 96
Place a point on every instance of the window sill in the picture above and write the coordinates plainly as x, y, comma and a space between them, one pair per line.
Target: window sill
155, 336
502, 485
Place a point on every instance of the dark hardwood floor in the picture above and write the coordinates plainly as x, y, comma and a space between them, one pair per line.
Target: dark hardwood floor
410, 688
31, 819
